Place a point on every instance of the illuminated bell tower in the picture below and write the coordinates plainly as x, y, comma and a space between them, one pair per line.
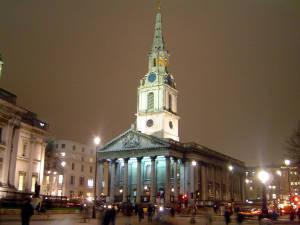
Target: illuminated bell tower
157, 93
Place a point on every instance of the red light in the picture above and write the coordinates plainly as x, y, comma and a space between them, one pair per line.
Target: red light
296, 199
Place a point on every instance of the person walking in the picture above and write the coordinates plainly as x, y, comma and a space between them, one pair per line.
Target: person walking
140, 213
113, 214
26, 211
227, 215
150, 213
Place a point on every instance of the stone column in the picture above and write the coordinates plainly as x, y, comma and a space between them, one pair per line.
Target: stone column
192, 178
182, 178
213, 172
186, 177
203, 182
100, 178
42, 163
125, 180
196, 182
175, 181
31, 150
167, 181
138, 180
153, 180
112, 180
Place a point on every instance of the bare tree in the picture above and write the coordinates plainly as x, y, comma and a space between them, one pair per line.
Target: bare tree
294, 144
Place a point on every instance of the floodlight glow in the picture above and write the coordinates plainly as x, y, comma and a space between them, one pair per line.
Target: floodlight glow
287, 162
263, 176
230, 167
97, 140
194, 163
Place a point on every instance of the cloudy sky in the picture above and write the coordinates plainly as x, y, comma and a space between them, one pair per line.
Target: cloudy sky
77, 63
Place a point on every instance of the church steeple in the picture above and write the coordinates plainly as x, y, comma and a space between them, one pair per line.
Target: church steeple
158, 41
157, 93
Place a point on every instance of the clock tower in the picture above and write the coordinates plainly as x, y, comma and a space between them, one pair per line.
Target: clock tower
157, 93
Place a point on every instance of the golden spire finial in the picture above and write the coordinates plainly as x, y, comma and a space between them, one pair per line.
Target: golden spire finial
158, 5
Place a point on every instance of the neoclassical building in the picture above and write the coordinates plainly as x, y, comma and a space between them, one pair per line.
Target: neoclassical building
22, 146
147, 163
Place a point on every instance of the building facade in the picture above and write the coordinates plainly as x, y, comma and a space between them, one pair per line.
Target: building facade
69, 169
147, 163
284, 182
22, 146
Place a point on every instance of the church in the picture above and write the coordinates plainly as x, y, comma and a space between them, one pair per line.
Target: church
148, 163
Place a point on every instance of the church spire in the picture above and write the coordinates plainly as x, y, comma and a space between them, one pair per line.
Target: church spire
158, 42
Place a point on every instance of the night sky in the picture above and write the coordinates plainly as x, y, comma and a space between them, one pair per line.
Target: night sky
77, 63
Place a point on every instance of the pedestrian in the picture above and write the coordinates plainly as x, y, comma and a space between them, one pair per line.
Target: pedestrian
227, 215
128, 212
26, 211
106, 217
150, 213
292, 215
140, 213
298, 213
239, 218
113, 214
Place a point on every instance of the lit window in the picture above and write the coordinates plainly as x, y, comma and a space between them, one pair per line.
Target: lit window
33, 181
59, 192
60, 179
63, 154
90, 182
47, 179
21, 181
72, 180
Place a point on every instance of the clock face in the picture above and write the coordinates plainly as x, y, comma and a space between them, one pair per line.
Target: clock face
149, 123
171, 124
152, 77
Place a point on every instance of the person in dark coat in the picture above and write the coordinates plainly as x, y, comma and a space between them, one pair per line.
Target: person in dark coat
113, 214
292, 215
239, 218
140, 213
150, 213
227, 215
26, 211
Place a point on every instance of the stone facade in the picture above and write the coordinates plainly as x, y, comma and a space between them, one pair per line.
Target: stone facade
22, 146
69, 169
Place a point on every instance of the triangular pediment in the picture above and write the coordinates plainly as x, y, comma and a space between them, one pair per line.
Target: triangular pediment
133, 140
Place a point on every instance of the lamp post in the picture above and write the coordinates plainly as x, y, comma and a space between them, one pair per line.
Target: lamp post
63, 164
287, 163
264, 177
278, 172
97, 141
230, 168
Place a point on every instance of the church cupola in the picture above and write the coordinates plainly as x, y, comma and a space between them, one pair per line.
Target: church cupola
157, 94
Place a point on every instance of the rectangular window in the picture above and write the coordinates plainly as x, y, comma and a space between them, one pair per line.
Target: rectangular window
63, 145
82, 150
60, 179
82, 159
74, 147
47, 180
33, 181
82, 168
90, 183
72, 180
59, 192
21, 181
81, 180
56, 146
91, 169
73, 166
24, 150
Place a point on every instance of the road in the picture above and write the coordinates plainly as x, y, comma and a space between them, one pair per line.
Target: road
75, 219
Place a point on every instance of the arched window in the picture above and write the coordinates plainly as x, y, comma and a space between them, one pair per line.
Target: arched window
170, 102
150, 101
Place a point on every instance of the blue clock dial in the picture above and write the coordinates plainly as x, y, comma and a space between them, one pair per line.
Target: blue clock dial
152, 77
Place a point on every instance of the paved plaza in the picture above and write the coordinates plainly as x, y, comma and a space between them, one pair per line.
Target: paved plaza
73, 219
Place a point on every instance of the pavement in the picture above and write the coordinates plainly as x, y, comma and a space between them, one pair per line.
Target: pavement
76, 219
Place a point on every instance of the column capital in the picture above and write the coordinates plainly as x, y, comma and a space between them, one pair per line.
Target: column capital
126, 159
139, 159
153, 158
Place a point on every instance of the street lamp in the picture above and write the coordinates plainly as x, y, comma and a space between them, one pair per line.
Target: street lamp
264, 177
63, 164
97, 141
230, 168
287, 163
